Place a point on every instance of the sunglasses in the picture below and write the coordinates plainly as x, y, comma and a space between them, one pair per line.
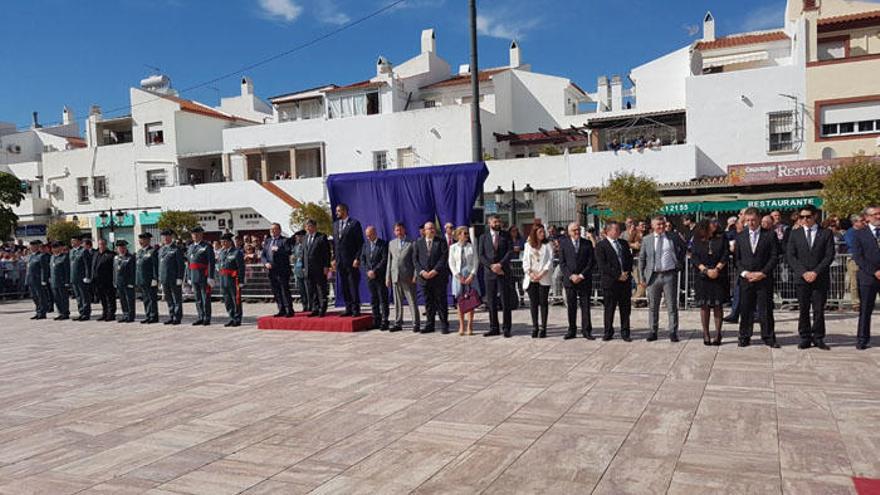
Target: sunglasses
806, 216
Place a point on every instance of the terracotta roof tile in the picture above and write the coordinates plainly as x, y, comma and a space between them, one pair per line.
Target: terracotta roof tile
738, 40
198, 108
831, 22
484, 76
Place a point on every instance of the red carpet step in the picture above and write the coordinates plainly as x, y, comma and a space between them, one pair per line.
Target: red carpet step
330, 323
867, 486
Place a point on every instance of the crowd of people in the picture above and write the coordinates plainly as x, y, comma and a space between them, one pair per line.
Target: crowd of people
634, 259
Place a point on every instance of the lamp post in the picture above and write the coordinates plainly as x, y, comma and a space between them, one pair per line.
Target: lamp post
109, 220
499, 198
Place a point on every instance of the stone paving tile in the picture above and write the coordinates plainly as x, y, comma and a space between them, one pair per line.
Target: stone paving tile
123, 409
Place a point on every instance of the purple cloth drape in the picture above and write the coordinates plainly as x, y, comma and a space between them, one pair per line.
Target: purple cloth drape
413, 196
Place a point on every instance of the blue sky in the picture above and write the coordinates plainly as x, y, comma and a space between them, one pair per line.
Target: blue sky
78, 53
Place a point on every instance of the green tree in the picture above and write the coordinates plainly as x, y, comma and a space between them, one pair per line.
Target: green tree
852, 186
314, 211
10, 195
63, 231
181, 222
549, 150
630, 195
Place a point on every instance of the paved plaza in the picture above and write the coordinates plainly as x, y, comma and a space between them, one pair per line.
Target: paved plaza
118, 409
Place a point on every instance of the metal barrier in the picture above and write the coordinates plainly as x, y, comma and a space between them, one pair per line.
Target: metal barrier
12, 279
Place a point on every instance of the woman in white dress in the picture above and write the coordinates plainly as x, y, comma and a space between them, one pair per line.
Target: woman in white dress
463, 266
537, 268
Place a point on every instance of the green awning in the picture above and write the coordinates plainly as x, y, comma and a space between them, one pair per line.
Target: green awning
724, 206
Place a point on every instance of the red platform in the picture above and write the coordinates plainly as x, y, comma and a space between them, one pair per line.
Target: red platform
330, 323
867, 486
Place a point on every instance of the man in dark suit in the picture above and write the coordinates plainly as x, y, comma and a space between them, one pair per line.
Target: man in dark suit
576, 261
810, 252
374, 260
495, 250
866, 253
348, 238
276, 258
756, 258
102, 280
615, 261
430, 263
316, 265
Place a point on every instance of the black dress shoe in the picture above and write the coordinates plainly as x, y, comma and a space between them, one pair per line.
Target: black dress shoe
168, 322
291, 314
535, 333
820, 343
730, 319
346, 313
805, 344
627, 338
542, 334
176, 322
236, 324
206, 323
355, 314
145, 321
744, 343
588, 335
862, 346
395, 328
570, 335
35, 317
772, 344
280, 314
427, 330
606, 338
228, 324
674, 337
314, 314
507, 334
651, 337
445, 331
84, 318
384, 326
41, 317
197, 323
492, 333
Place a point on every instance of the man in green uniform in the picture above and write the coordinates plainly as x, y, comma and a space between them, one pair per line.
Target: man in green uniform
147, 277
37, 279
200, 270
231, 271
59, 280
81, 277
124, 266
172, 267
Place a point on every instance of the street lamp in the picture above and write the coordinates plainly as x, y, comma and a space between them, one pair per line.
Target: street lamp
527, 191
107, 218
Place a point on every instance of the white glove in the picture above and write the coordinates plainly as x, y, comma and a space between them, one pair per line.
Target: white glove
87, 280
154, 283
241, 285
179, 282
44, 283
211, 282
131, 287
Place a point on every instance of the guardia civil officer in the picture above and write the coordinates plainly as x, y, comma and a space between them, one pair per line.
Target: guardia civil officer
37, 278
81, 276
147, 277
231, 271
59, 280
124, 266
201, 264
172, 270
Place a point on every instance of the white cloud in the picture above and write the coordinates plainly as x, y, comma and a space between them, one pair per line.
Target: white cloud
330, 13
496, 27
691, 29
766, 17
281, 10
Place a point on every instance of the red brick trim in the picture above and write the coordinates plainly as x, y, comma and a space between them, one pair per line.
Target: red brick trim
817, 117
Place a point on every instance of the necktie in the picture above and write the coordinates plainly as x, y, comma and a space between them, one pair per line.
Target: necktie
616, 247
401, 244
754, 240
309, 245
429, 246
658, 246
810, 238
577, 243
877, 235
495, 241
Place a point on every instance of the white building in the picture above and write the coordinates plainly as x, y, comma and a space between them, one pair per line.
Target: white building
125, 162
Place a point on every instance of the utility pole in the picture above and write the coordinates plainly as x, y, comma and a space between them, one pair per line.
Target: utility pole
476, 128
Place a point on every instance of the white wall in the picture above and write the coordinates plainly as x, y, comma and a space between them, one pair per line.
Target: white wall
730, 129
660, 83
197, 133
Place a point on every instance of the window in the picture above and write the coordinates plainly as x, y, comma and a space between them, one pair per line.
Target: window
832, 48
406, 157
430, 103
82, 189
380, 160
352, 105
155, 180
301, 110
99, 186
781, 131
154, 133
849, 119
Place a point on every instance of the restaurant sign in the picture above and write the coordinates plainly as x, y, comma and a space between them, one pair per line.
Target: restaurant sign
780, 172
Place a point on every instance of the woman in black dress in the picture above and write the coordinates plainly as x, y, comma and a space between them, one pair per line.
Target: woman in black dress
710, 254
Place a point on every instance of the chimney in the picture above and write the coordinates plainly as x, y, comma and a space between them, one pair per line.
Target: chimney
603, 93
616, 93
36, 120
515, 55
383, 66
464, 69
708, 27
66, 116
247, 86
429, 41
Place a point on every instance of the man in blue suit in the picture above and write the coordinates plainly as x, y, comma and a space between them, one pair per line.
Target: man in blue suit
866, 254
276, 258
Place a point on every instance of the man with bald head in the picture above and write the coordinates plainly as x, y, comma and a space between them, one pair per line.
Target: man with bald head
430, 259
374, 261
576, 262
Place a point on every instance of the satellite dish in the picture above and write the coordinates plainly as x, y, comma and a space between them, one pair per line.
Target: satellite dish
696, 63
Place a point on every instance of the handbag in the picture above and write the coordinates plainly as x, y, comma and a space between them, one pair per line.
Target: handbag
468, 300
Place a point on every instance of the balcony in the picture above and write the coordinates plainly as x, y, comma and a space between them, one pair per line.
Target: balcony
32, 206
